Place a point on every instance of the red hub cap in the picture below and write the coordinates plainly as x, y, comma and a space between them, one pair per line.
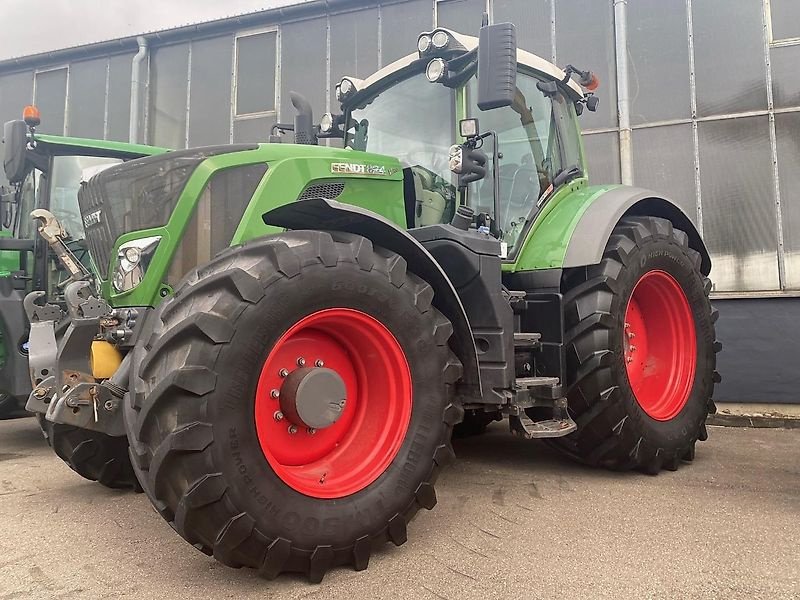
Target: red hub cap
345, 372
659, 345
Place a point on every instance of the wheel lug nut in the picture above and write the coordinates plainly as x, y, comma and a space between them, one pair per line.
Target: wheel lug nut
631, 335
319, 363
301, 362
633, 348
292, 429
278, 415
630, 359
311, 431
274, 393
283, 372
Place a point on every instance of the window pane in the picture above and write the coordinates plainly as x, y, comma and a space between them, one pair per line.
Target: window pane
787, 128
663, 161
785, 82
401, 24
255, 130
585, 38
463, 16
354, 47
785, 19
304, 46
532, 18
169, 69
729, 32
658, 61
210, 100
255, 73
51, 95
87, 98
119, 97
602, 157
16, 92
738, 200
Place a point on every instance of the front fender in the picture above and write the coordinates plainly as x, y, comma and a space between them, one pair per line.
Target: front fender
330, 215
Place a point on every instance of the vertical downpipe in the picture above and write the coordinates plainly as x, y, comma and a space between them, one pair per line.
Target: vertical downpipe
136, 92
623, 94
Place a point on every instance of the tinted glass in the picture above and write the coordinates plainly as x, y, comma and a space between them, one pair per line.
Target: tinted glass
354, 47
169, 69
785, 19
658, 60
119, 97
787, 127
463, 16
401, 24
87, 98
304, 46
738, 200
663, 161
602, 157
50, 97
585, 38
210, 100
532, 18
255, 73
729, 32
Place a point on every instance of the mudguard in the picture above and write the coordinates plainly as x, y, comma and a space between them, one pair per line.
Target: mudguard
329, 215
588, 240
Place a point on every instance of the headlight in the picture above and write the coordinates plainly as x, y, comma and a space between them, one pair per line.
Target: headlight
345, 89
326, 123
436, 70
440, 39
424, 43
133, 258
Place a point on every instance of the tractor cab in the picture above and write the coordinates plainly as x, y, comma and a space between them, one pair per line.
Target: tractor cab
434, 113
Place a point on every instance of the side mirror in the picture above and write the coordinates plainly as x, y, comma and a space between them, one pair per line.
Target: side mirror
304, 131
15, 143
497, 66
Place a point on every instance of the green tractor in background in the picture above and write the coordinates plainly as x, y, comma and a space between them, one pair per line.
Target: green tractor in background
301, 327
44, 174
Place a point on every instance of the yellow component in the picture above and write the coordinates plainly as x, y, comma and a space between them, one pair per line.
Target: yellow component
105, 359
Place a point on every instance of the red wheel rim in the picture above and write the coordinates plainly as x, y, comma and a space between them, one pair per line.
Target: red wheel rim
353, 452
660, 347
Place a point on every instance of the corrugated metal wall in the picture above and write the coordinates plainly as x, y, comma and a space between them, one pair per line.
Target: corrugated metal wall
715, 100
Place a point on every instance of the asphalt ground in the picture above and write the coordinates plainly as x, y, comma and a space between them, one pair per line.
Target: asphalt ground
514, 520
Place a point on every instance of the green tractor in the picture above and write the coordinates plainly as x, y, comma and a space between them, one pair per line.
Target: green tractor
301, 327
44, 173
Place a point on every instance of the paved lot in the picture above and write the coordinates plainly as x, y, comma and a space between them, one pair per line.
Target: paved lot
513, 521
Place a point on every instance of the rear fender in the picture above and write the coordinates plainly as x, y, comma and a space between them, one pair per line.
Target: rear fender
329, 215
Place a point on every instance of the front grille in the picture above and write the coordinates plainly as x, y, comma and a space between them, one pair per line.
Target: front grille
329, 191
98, 233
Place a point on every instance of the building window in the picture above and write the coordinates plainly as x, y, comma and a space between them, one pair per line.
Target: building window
50, 95
784, 22
255, 73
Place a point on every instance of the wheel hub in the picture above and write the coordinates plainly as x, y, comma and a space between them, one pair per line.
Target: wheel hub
313, 397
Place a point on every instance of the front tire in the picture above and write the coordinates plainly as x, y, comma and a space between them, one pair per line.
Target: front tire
227, 471
641, 350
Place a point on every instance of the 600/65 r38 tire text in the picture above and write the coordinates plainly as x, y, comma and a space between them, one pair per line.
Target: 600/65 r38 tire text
294, 403
641, 350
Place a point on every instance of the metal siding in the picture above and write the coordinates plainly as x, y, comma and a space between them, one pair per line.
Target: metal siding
658, 61
254, 130
585, 38
602, 157
16, 91
662, 164
739, 218
401, 24
785, 19
168, 80
785, 82
301, 72
50, 94
787, 128
119, 97
463, 16
354, 47
255, 73
532, 18
210, 98
729, 56
87, 98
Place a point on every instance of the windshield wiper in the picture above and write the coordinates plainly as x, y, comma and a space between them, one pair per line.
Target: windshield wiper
566, 175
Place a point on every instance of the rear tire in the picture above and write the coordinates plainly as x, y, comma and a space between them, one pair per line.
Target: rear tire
202, 433
657, 428
91, 454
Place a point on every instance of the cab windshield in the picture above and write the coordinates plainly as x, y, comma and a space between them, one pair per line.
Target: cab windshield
414, 121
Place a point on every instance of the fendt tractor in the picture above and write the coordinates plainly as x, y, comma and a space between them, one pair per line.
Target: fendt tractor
44, 174
300, 327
